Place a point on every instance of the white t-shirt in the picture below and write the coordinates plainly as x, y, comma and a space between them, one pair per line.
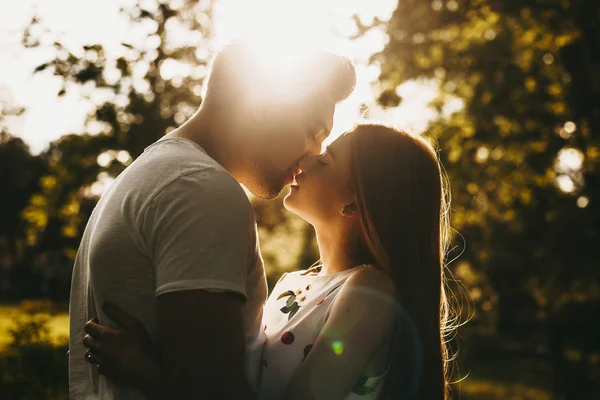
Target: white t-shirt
173, 220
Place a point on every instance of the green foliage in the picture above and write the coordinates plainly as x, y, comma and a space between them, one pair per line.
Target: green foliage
523, 72
19, 180
525, 75
21, 172
143, 94
151, 87
33, 367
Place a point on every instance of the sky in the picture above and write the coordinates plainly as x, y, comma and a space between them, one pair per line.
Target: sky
48, 117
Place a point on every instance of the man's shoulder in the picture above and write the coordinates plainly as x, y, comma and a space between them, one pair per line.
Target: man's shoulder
171, 179
178, 167
175, 155
210, 184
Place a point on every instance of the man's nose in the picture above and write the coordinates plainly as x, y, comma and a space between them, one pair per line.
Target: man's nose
313, 148
304, 163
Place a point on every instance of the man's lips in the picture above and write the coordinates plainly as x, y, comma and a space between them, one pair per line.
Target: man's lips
294, 184
290, 180
295, 172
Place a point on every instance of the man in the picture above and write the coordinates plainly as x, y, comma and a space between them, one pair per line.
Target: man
174, 242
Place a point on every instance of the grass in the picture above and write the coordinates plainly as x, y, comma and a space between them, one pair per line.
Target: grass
475, 389
58, 324
492, 370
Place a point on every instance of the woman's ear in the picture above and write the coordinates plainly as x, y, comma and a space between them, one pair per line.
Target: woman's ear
349, 210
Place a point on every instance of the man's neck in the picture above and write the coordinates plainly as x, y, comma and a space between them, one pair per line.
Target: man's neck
215, 137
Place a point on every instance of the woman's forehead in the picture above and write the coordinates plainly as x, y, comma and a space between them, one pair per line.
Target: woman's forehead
340, 143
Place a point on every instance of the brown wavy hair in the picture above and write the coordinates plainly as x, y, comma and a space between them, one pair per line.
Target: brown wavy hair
403, 211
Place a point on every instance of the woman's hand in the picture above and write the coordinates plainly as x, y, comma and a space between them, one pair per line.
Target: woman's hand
127, 354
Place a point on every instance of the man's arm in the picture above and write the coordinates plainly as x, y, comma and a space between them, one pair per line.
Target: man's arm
203, 346
200, 234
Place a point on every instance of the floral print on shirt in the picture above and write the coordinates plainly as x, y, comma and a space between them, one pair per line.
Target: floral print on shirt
296, 298
291, 306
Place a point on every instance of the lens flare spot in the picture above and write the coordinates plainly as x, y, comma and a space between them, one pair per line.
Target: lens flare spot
338, 348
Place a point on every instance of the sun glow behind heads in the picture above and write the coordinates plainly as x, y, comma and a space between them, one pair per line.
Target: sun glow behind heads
326, 24
274, 22
286, 28
274, 72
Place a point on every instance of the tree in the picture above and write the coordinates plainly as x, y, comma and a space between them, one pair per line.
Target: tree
152, 87
20, 176
522, 153
147, 90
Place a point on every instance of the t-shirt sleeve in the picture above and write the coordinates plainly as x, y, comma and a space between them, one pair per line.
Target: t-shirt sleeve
199, 232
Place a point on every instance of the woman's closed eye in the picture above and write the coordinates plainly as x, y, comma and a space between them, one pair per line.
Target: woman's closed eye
321, 162
316, 134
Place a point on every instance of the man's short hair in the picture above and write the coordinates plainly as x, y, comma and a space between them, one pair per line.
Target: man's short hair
240, 70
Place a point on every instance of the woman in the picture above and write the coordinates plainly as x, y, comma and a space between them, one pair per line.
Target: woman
369, 320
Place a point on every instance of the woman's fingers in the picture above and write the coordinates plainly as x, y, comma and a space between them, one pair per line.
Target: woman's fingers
91, 357
95, 329
92, 343
94, 359
102, 370
122, 318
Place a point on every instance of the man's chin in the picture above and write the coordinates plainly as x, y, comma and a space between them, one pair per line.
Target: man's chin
267, 196
267, 191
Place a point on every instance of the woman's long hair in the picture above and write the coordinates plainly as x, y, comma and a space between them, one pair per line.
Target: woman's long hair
403, 213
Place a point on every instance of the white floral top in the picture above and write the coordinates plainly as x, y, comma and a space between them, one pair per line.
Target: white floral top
293, 318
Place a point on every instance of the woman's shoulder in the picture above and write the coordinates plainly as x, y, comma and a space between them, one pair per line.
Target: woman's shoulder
374, 278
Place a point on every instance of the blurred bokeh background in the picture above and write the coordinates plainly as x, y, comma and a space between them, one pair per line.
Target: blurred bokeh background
509, 90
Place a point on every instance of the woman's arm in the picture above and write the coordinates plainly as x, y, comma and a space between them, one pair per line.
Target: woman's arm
361, 321
127, 355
